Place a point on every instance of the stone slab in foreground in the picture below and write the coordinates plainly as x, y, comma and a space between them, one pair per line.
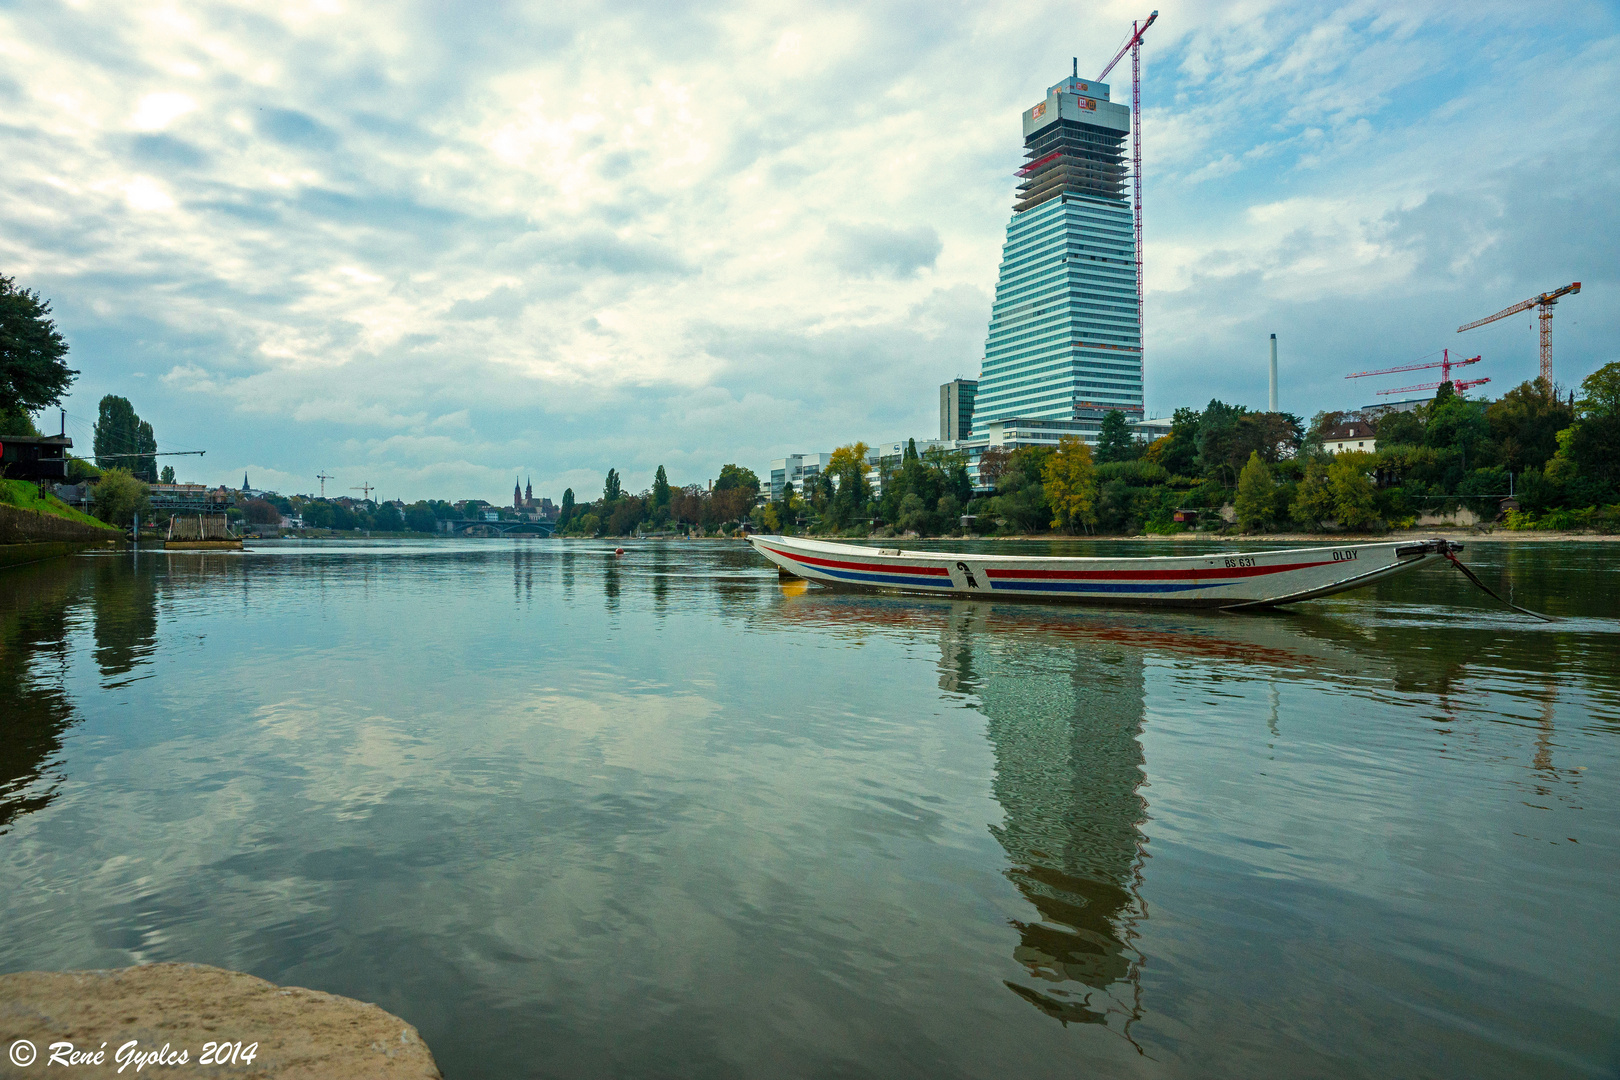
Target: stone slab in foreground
301, 1033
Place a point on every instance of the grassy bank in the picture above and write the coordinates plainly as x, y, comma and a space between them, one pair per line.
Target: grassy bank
24, 495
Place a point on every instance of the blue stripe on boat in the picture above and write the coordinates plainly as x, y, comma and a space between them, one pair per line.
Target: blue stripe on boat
1101, 586
893, 579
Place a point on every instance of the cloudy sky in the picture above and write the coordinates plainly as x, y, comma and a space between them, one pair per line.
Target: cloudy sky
434, 246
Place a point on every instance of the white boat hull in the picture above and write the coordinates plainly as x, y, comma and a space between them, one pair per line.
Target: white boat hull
1250, 579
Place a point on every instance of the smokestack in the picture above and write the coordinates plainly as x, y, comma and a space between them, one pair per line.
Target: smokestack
1273, 372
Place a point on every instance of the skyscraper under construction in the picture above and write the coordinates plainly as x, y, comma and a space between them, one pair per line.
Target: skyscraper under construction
1065, 336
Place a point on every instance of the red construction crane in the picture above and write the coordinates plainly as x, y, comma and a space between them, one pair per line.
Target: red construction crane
1134, 46
1461, 384
1445, 364
1545, 302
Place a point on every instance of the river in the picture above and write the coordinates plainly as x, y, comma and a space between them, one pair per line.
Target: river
581, 815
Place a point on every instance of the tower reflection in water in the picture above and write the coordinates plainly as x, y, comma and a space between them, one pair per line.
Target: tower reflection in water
1063, 701
1063, 717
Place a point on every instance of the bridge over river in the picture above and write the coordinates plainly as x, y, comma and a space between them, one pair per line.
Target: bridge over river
475, 527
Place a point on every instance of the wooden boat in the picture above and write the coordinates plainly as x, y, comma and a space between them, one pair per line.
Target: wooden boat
1253, 579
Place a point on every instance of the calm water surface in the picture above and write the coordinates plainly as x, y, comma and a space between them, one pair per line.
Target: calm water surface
574, 815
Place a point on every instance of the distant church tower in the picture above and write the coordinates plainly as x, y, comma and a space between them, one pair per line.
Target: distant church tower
528, 493
517, 494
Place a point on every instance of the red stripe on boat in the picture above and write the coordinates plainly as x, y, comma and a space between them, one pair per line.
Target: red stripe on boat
880, 568
1153, 575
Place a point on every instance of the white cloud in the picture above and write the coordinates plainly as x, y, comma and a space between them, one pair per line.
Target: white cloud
570, 238
157, 111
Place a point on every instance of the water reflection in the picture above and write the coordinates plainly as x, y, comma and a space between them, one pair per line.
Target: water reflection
124, 592
1064, 701
35, 709
1065, 724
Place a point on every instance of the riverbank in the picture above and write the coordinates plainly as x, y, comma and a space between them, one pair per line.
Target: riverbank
33, 527
202, 1010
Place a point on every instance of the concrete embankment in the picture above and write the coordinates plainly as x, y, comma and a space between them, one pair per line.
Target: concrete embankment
28, 536
198, 1009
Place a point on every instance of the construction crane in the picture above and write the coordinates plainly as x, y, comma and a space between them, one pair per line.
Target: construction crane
1134, 47
323, 478
365, 489
1545, 302
1445, 364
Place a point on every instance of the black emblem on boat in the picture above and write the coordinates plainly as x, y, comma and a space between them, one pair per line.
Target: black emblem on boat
962, 566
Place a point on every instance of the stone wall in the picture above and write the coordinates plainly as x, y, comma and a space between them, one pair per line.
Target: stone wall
30, 527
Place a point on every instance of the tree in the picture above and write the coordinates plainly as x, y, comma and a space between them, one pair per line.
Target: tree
1525, 422
735, 476
419, 517
119, 497
33, 373
734, 494
847, 467
1313, 502
660, 490
167, 475
910, 453
261, 513
17, 421
567, 512
1180, 454
992, 463
1275, 435
611, 490
1600, 392
1403, 427
1217, 429
1069, 480
1114, 441
785, 512
1254, 494
123, 440
1354, 497
1594, 447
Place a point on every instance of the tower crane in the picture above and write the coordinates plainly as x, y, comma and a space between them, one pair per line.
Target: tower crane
365, 489
1134, 47
323, 478
1545, 303
1445, 364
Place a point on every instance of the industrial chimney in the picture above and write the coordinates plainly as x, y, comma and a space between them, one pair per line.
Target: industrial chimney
1273, 372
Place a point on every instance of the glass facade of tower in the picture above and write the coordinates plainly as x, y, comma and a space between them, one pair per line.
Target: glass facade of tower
1065, 339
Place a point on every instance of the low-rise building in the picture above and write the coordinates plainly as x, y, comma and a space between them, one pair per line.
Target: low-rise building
1350, 436
795, 468
1151, 428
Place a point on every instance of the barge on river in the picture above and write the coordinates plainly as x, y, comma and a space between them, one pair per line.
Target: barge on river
1254, 579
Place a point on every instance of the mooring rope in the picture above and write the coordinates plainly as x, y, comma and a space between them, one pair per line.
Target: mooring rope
1470, 575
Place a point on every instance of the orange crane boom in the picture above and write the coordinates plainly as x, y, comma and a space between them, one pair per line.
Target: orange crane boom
1545, 302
